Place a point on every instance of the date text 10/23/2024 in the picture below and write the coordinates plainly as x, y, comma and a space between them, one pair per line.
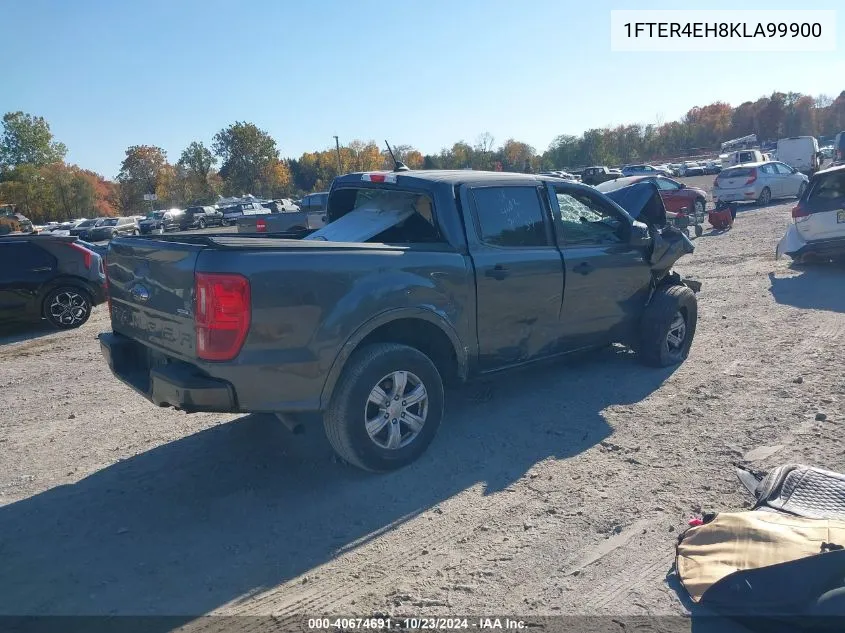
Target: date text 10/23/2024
415, 623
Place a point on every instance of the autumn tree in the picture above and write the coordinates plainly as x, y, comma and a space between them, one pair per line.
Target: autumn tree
144, 170
193, 174
27, 140
247, 152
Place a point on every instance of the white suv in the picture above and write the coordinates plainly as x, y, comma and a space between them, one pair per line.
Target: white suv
760, 182
819, 218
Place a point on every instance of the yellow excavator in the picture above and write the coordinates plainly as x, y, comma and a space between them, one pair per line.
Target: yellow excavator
13, 222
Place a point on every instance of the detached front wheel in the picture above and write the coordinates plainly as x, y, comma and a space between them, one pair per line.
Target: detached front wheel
668, 326
386, 408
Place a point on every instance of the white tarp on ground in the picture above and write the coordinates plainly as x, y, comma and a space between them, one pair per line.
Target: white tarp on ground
368, 220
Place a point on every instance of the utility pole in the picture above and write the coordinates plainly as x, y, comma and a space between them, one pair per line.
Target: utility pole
337, 147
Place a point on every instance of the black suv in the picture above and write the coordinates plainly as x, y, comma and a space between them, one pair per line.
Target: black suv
52, 278
193, 218
107, 228
152, 223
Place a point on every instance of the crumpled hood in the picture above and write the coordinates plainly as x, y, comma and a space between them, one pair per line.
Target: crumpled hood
642, 201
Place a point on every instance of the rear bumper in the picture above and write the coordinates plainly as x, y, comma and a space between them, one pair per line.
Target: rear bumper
165, 384
735, 195
829, 248
795, 246
98, 293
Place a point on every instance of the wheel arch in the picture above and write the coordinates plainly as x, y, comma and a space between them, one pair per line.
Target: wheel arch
420, 328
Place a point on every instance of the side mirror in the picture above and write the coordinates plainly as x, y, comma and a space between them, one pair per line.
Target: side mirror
639, 237
683, 185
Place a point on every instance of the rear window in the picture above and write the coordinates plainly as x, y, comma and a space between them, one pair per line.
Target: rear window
737, 172
829, 187
421, 227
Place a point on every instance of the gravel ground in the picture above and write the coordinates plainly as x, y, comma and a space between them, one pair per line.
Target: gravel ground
559, 489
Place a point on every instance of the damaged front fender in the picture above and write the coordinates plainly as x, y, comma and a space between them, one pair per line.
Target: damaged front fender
668, 246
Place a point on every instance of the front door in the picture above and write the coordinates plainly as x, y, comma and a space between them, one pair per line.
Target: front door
519, 275
607, 280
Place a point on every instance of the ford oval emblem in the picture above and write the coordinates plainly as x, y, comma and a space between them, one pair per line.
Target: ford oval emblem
139, 293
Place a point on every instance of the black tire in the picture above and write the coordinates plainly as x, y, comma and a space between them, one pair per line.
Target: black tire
699, 230
658, 320
345, 418
699, 207
67, 307
201, 223
765, 197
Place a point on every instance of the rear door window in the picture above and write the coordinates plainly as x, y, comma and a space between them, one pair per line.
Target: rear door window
23, 257
511, 216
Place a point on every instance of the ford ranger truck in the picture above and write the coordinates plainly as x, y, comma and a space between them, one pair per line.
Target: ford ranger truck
419, 279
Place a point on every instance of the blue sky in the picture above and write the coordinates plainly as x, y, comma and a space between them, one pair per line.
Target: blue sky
108, 74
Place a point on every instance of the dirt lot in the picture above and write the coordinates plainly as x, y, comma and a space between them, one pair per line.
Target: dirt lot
556, 490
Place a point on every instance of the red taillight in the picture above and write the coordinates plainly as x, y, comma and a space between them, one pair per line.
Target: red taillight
799, 212
107, 285
222, 314
261, 225
376, 177
752, 177
86, 254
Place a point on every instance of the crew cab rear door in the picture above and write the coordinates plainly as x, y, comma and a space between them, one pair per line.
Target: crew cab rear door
607, 279
518, 270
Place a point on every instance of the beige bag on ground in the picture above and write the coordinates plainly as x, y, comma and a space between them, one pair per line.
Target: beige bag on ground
736, 541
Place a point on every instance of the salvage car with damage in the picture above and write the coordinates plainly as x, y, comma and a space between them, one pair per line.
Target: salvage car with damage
420, 279
818, 220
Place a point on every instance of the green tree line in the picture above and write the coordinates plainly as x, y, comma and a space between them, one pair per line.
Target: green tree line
245, 159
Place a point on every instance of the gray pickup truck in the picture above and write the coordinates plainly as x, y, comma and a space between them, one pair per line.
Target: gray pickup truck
464, 273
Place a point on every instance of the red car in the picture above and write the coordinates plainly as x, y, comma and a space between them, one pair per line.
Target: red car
676, 195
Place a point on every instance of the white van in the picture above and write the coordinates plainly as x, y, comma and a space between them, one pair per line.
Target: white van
743, 156
800, 152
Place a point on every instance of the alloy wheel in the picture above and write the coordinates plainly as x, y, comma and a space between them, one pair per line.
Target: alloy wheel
396, 410
69, 308
677, 333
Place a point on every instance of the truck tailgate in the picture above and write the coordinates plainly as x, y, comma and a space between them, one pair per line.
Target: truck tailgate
151, 285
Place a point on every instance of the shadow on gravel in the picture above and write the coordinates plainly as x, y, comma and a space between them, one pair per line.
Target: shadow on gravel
702, 620
207, 519
19, 332
818, 287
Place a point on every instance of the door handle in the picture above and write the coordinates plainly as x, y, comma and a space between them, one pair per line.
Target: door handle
497, 272
584, 268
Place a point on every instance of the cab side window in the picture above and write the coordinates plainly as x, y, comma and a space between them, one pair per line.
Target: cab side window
586, 220
511, 216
